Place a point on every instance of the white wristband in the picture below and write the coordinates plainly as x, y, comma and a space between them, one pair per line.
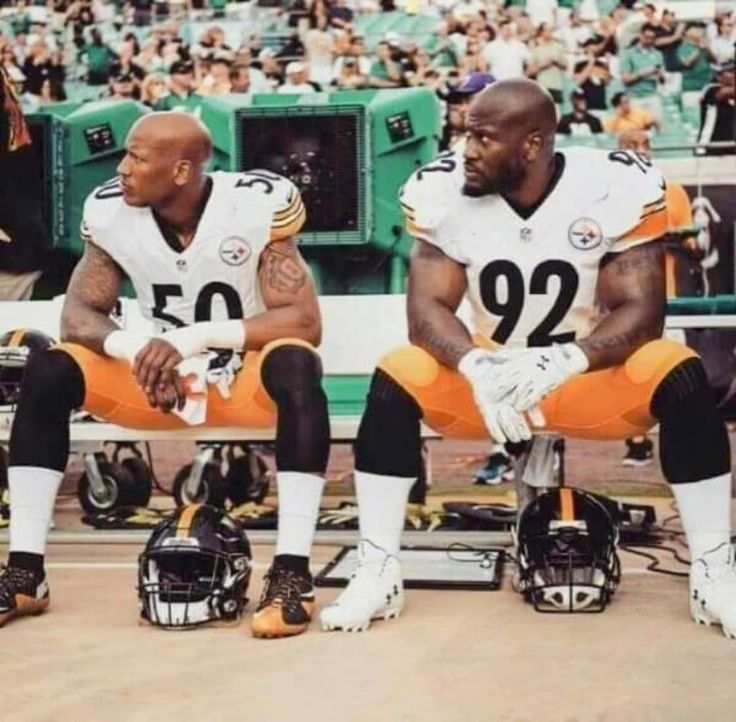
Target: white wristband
573, 358
192, 340
124, 345
467, 365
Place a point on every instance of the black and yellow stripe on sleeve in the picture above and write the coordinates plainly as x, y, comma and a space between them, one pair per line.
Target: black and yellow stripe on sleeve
288, 221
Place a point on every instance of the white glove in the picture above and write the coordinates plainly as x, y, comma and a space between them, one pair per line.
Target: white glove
542, 370
492, 385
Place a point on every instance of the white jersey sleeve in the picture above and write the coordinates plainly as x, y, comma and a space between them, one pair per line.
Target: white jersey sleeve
101, 215
634, 210
427, 200
282, 197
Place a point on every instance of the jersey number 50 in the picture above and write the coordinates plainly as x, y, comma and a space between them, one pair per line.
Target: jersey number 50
510, 310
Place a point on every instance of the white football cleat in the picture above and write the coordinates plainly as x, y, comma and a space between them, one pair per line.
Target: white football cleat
375, 591
713, 590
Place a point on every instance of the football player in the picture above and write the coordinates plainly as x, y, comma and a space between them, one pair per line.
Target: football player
215, 265
557, 253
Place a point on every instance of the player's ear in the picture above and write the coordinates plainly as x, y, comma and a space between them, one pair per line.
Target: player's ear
182, 172
533, 146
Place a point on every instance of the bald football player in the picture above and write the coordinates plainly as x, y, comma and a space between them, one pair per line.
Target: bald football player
214, 264
558, 254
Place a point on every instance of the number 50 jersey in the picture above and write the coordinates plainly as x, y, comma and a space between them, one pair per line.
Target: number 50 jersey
532, 281
216, 276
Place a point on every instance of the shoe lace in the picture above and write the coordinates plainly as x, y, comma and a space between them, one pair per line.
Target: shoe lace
13, 578
284, 585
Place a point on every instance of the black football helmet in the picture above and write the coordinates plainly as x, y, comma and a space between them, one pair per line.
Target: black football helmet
194, 569
566, 549
16, 346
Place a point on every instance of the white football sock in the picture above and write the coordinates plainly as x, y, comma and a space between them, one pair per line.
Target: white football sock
32, 494
705, 511
382, 508
299, 497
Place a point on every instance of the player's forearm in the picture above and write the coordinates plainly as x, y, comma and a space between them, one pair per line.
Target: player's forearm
85, 326
439, 332
283, 322
622, 332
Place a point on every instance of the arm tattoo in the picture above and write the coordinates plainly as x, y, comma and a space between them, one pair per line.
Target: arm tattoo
91, 296
447, 351
281, 268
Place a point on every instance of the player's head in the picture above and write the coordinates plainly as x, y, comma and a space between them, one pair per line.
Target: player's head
165, 153
636, 140
511, 130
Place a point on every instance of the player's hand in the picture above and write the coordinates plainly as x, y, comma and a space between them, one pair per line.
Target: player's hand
156, 364
493, 380
540, 371
167, 396
505, 423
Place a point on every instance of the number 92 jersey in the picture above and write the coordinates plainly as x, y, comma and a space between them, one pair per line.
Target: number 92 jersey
216, 276
532, 281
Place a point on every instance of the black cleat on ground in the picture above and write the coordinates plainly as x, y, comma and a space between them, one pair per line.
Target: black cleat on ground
638, 453
22, 592
286, 605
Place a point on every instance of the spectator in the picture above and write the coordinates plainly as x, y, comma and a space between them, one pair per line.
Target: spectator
123, 87
217, 82
340, 15
641, 67
695, 58
717, 111
270, 67
153, 88
473, 61
506, 55
356, 52
297, 80
350, 76
385, 71
149, 58
591, 76
99, 56
575, 34
38, 67
258, 81
668, 38
724, 41
126, 65
458, 101
547, 62
320, 47
239, 78
181, 95
627, 117
579, 121
29, 102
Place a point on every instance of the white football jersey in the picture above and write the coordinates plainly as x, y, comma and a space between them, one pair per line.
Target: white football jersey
215, 277
532, 281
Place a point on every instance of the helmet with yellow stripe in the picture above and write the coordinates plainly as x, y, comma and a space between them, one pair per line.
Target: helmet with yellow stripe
566, 549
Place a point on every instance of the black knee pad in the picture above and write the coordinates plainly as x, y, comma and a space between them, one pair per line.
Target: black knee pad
53, 380
53, 385
289, 370
389, 440
292, 375
693, 437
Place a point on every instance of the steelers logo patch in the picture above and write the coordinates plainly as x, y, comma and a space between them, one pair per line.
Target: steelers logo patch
585, 234
235, 251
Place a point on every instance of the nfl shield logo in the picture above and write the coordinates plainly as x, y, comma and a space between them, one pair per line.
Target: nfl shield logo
525, 235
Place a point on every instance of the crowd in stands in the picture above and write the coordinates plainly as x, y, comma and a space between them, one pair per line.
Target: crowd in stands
607, 64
